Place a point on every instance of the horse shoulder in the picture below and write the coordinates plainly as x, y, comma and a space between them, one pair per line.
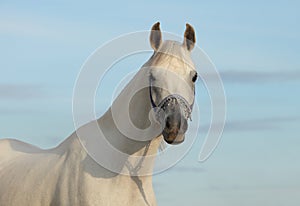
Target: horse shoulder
11, 149
28, 173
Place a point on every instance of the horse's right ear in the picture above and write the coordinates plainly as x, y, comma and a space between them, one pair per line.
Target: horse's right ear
155, 36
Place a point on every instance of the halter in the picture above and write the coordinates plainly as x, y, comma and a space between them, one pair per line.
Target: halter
172, 99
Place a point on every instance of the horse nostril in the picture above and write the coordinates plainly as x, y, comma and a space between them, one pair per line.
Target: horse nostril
168, 125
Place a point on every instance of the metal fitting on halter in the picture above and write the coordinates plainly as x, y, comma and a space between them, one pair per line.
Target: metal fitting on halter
174, 99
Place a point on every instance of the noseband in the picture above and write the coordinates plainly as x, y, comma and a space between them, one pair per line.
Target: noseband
171, 100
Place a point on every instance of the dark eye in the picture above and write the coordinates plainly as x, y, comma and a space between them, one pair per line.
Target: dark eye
194, 79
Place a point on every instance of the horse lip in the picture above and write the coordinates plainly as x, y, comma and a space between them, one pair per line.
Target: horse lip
174, 142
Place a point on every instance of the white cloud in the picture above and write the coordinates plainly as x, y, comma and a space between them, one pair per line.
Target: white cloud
25, 27
20, 91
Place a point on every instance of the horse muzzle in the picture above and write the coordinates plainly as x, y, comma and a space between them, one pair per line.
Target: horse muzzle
175, 128
174, 112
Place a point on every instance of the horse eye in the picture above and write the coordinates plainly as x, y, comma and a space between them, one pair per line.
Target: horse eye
195, 77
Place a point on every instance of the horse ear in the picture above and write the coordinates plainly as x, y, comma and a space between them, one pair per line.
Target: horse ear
155, 36
189, 37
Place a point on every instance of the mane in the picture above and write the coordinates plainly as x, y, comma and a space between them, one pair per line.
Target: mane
170, 52
173, 48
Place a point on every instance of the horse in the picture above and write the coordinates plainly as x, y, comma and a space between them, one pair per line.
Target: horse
68, 175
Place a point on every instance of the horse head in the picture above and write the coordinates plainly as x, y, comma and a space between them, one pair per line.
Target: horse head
172, 76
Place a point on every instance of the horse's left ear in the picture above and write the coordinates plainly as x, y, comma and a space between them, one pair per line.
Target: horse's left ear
189, 37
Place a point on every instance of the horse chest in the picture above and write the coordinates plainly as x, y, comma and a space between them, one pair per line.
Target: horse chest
119, 190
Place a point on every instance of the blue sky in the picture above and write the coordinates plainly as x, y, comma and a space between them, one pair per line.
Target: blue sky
254, 45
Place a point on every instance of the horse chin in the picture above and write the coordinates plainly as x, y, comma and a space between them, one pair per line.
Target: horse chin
173, 139
175, 142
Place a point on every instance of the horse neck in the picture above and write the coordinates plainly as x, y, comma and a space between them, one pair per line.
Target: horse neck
131, 108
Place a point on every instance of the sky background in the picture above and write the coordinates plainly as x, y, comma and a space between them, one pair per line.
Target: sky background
255, 46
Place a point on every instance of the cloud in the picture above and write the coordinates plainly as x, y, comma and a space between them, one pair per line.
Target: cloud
25, 27
251, 125
264, 124
188, 169
16, 111
20, 91
233, 76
